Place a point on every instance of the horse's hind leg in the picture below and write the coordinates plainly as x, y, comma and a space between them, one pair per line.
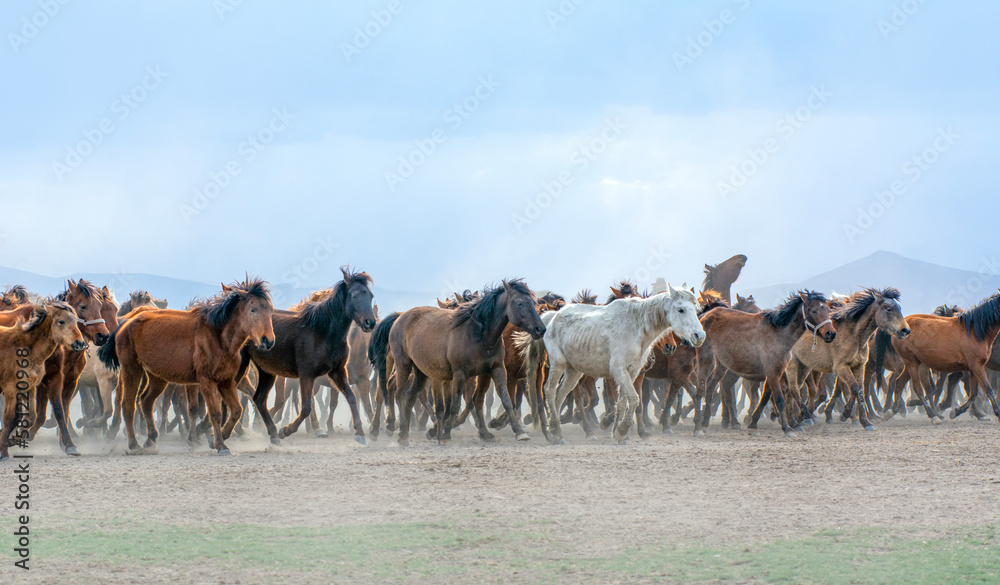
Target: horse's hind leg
339, 379
482, 388
154, 388
628, 402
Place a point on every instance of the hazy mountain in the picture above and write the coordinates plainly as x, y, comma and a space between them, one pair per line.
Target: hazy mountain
180, 292
922, 285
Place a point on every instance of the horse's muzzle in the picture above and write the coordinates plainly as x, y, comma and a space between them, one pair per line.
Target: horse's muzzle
829, 336
903, 333
538, 332
79, 345
367, 325
265, 343
697, 340
101, 339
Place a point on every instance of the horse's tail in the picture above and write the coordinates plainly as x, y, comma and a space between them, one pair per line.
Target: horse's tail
108, 353
378, 346
883, 345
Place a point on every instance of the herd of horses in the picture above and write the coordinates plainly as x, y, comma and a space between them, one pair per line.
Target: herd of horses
437, 365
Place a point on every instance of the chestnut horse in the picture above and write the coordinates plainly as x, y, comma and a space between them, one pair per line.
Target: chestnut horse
721, 276
311, 343
449, 347
757, 346
197, 346
15, 296
24, 349
952, 344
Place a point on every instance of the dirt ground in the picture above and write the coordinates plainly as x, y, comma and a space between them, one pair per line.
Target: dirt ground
469, 512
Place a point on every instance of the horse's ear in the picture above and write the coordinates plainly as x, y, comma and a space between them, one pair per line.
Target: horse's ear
70, 285
616, 291
440, 304
226, 288
804, 297
708, 267
347, 275
459, 299
106, 292
671, 290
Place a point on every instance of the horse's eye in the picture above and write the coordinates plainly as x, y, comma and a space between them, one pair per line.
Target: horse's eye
681, 311
253, 310
62, 322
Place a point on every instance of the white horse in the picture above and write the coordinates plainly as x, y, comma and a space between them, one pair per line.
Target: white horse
610, 341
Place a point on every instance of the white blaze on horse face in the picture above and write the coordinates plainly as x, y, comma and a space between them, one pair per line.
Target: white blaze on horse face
683, 316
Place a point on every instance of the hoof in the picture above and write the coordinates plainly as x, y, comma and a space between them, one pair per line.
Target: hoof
225, 452
592, 438
522, 436
791, 434
869, 428
936, 420
323, 434
939, 418
644, 435
668, 431
281, 433
752, 431
403, 442
807, 422
983, 418
275, 441
623, 441
953, 413
799, 429
73, 451
736, 427
488, 438
527, 419
360, 439
699, 433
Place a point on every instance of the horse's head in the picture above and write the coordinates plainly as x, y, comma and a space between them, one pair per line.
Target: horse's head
109, 311
746, 304
248, 303
15, 296
520, 309
683, 316
889, 315
86, 300
816, 313
358, 303
668, 344
61, 321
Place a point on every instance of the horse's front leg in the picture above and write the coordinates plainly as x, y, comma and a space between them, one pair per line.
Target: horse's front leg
339, 377
499, 376
627, 404
306, 398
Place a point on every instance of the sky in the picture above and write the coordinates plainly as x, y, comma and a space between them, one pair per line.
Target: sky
447, 145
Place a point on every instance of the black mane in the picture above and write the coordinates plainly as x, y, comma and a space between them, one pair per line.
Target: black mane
19, 291
783, 315
483, 310
321, 314
980, 319
585, 297
627, 288
856, 305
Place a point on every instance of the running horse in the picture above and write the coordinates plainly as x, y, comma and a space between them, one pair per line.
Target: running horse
857, 319
196, 346
25, 346
952, 344
757, 346
311, 343
610, 341
449, 347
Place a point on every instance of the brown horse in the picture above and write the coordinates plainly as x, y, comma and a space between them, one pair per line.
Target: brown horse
758, 346
952, 344
140, 298
198, 346
861, 314
15, 296
454, 346
721, 277
311, 343
24, 349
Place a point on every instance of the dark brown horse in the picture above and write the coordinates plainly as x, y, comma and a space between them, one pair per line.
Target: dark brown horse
197, 346
311, 343
721, 277
450, 347
25, 346
758, 346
